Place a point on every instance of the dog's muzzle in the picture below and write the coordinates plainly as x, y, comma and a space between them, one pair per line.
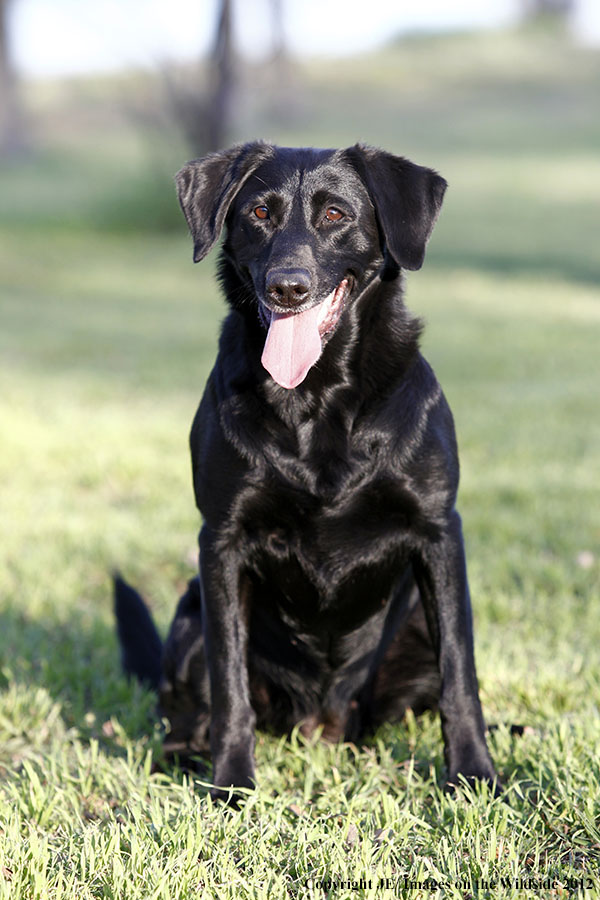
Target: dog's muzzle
295, 339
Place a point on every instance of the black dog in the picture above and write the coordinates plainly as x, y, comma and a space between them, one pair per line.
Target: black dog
332, 590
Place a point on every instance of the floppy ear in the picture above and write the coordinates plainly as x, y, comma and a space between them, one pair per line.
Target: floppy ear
407, 199
207, 186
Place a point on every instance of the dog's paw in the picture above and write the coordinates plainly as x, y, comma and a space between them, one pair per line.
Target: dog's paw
460, 780
232, 787
232, 797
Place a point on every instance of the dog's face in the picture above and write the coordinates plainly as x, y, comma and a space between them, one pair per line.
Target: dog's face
306, 231
303, 229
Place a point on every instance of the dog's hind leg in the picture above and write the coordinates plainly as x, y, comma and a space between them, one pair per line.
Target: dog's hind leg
408, 676
405, 673
177, 671
184, 695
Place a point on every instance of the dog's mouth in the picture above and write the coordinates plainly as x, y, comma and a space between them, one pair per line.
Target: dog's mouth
295, 340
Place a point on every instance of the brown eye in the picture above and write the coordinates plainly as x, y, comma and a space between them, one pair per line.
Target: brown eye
333, 214
261, 212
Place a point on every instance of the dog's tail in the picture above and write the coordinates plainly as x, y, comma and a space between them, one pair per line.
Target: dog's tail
141, 646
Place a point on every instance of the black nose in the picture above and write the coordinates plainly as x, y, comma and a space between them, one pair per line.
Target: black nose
287, 287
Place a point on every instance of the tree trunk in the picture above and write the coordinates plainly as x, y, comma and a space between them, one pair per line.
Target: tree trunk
535, 9
12, 129
220, 104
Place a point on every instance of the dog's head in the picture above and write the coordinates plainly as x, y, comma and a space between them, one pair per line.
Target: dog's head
306, 231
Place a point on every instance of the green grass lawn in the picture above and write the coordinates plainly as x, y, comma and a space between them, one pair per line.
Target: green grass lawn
108, 333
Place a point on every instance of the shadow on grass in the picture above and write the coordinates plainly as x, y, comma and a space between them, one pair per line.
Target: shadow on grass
76, 665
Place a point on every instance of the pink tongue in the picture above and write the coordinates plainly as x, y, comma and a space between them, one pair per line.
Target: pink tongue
292, 346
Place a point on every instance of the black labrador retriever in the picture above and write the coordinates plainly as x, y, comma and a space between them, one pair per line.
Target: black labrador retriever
332, 591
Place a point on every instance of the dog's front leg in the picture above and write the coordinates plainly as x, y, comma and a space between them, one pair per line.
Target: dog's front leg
441, 574
225, 627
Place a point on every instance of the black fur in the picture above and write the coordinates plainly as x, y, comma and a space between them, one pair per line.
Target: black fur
333, 588
141, 646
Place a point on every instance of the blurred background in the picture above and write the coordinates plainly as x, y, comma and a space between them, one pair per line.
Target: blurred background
108, 331
102, 101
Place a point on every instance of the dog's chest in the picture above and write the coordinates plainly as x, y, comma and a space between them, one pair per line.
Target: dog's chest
325, 513
330, 550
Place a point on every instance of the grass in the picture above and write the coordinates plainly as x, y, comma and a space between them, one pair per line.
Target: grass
108, 335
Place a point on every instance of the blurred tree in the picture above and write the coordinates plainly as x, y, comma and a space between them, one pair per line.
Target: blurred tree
204, 114
223, 78
535, 9
279, 48
204, 104
283, 87
12, 127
